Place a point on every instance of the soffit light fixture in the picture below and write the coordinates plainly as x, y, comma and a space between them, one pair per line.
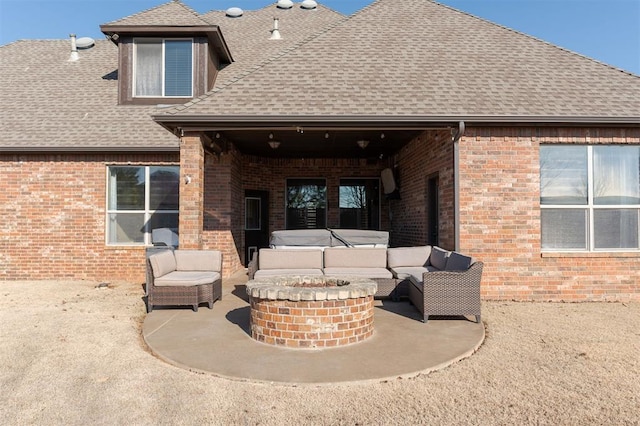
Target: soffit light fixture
363, 143
273, 143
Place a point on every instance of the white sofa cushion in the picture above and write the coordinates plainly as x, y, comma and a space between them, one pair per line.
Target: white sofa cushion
358, 272
162, 263
408, 256
263, 273
355, 257
413, 273
186, 278
290, 259
198, 260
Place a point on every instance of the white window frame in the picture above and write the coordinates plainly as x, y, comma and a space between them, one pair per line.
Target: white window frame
147, 212
590, 208
161, 40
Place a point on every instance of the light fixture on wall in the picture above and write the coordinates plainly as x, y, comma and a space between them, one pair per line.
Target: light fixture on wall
274, 144
363, 143
187, 180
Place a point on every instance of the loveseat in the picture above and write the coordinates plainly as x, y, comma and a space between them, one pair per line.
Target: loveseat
184, 277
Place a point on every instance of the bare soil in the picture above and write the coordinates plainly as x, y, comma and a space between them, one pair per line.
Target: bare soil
72, 354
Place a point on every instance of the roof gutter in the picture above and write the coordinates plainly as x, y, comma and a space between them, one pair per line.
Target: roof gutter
456, 183
171, 122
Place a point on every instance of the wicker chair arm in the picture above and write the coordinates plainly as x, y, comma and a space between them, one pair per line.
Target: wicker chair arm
470, 277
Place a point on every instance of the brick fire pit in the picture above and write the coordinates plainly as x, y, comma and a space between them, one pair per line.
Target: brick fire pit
317, 312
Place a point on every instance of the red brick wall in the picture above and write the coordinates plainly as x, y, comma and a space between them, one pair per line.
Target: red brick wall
53, 210
191, 191
500, 220
223, 201
53, 218
428, 155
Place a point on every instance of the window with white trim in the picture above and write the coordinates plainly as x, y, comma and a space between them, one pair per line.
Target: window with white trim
140, 199
163, 68
590, 197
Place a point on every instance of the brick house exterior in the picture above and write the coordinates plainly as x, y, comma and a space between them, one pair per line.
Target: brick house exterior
468, 138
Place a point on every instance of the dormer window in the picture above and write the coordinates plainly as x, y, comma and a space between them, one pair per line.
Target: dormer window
163, 68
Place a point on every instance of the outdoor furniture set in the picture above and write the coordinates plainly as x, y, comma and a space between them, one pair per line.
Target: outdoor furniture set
436, 281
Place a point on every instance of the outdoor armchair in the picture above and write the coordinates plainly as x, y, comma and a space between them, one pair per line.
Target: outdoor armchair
184, 277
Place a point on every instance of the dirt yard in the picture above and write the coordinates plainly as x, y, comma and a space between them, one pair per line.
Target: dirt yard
72, 354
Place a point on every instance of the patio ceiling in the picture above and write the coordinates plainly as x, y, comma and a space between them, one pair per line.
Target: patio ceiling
308, 136
301, 142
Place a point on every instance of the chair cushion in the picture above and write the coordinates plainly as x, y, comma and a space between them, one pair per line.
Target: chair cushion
409, 272
408, 256
438, 258
355, 257
262, 273
162, 263
290, 259
359, 272
198, 260
187, 278
458, 262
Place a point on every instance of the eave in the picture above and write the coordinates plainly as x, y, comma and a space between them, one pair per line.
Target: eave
212, 32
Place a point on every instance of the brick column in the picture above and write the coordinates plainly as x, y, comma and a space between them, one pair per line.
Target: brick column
191, 191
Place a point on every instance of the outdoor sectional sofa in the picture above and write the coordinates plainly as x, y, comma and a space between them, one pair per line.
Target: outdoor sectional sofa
437, 281
184, 277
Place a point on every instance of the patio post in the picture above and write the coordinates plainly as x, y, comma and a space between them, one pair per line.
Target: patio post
191, 190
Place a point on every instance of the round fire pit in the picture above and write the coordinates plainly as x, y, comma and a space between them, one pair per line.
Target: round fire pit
311, 312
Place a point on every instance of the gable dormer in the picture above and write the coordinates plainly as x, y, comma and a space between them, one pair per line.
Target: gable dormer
167, 55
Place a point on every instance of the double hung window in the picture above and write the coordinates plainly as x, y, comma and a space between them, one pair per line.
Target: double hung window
140, 199
163, 68
590, 197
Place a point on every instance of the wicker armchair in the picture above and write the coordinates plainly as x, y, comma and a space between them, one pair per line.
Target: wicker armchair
184, 277
448, 292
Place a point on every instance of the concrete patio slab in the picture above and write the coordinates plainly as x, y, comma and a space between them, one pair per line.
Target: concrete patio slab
218, 341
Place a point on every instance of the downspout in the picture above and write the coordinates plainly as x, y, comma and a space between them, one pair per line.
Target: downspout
456, 182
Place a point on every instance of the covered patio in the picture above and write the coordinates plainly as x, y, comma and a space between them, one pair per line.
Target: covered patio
237, 177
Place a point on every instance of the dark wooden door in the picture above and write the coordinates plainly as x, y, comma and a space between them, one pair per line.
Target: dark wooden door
256, 222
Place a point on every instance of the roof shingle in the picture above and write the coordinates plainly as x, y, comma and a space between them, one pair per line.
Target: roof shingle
432, 62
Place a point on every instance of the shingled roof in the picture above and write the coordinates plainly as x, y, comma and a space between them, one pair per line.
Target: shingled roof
428, 61
422, 61
51, 103
173, 13
248, 37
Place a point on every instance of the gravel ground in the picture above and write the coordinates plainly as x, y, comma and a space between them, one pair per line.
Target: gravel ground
73, 354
